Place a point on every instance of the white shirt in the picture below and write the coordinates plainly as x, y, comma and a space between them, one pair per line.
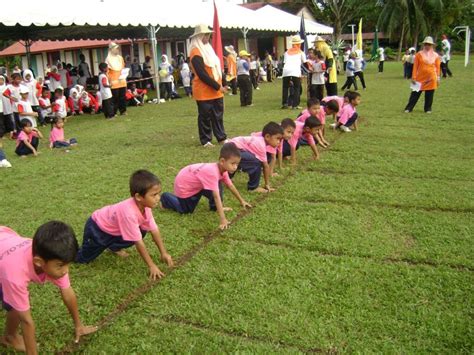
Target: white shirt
62, 110
293, 64
446, 48
45, 102
253, 65
318, 74
381, 54
350, 72
358, 64
31, 85
105, 92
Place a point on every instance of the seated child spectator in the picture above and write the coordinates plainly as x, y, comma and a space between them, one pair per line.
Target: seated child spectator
304, 134
253, 153
7, 121
134, 96
25, 111
45, 108
73, 102
105, 92
98, 98
34, 88
124, 224
186, 79
28, 139
348, 116
88, 103
56, 136
54, 78
12, 93
4, 163
44, 258
205, 179
60, 107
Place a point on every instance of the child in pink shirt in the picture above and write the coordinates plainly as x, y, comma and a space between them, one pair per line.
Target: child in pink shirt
124, 224
304, 134
45, 258
253, 155
27, 140
204, 179
56, 136
314, 109
348, 116
289, 127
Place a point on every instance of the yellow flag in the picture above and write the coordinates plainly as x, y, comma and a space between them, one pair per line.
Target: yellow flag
359, 36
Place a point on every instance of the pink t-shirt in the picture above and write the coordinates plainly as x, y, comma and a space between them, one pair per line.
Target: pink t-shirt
22, 136
346, 113
56, 134
339, 100
321, 116
252, 144
293, 141
268, 148
125, 220
17, 270
197, 177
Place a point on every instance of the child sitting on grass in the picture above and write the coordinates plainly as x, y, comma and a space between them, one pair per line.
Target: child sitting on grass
253, 155
348, 115
304, 134
60, 107
45, 107
204, 179
314, 109
124, 224
56, 136
27, 140
88, 103
45, 258
25, 111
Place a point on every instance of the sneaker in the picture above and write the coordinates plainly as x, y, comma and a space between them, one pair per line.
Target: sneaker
332, 125
5, 164
257, 88
284, 107
407, 111
428, 112
208, 145
231, 94
344, 128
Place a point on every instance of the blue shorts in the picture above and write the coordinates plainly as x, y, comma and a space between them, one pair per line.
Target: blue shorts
5, 305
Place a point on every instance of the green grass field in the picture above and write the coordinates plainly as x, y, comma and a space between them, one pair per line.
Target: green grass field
368, 250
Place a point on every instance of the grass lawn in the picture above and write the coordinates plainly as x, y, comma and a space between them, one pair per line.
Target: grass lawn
368, 250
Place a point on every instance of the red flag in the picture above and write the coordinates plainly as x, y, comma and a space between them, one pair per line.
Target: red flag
216, 37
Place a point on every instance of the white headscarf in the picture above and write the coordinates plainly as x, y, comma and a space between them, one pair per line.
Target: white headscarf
25, 73
114, 61
208, 55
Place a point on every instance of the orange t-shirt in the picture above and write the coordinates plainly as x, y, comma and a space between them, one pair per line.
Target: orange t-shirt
426, 74
231, 66
114, 80
201, 91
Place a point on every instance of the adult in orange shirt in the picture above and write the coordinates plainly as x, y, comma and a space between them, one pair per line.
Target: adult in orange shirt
426, 71
232, 68
115, 64
208, 90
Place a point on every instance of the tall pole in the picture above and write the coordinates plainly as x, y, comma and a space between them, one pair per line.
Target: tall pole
352, 28
152, 36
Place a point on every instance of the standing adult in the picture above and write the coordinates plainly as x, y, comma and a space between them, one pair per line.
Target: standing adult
331, 69
269, 66
118, 85
446, 46
208, 90
166, 81
293, 59
231, 68
381, 53
426, 71
83, 71
243, 78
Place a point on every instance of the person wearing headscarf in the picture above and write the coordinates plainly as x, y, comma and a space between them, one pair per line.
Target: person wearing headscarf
165, 72
116, 64
293, 59
208, 88
322, 47
231, 60
426, 73
33, 87
186, 78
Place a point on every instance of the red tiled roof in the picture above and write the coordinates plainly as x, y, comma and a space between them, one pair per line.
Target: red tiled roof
18, 48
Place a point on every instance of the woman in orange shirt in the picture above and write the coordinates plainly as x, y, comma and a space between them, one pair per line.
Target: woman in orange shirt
208, 90
426, 71
231, 68
116, 63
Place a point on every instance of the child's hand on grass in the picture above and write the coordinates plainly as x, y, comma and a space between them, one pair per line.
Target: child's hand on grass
84, 330
224, 224
166, 258
245, 204
155, 273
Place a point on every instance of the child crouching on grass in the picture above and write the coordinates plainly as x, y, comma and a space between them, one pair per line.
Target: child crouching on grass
124, 224
314, 109
45, 258
27, 140
304, 134
204, 179
56, 136
253, 155
348, 115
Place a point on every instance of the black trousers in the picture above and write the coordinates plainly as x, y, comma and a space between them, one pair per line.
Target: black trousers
233, 86
166, 90
316, 91
254, 78
349, 82
445, 69
108, 108
331, 89
415, 95
360, 75
381, 66
120, 102
245, 86
211, 120
22, 149
291, 97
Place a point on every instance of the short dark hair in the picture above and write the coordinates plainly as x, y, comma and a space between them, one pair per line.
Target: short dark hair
272, 128
25, 123
15, 75
103, 66
348, 94
45, 88
56, 119
333, 106
312, 122
312, 101
55, 240
58, 91
141, 181
229, 150
287, 122
354, 95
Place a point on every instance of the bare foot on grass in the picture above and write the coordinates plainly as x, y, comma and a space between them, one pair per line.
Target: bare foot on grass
260, 190
121, 253
16, 342
227, 209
